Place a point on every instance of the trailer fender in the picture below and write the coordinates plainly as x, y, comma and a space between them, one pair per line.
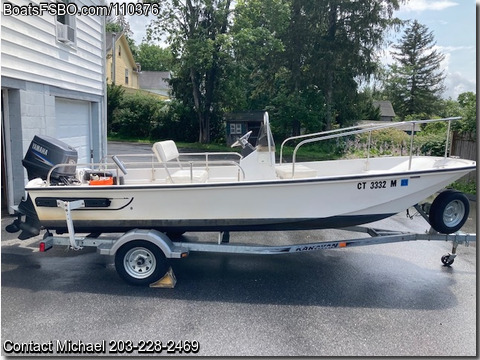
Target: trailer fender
156, 237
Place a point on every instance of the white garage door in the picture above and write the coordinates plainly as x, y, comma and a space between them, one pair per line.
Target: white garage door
73, 126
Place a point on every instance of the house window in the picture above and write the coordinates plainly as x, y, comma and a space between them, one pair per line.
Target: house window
66, 30
235, 129
119, 50
126, 76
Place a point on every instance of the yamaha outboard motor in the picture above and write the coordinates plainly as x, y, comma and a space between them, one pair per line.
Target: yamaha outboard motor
43, 154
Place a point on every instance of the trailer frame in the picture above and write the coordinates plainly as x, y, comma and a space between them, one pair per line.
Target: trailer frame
110, 245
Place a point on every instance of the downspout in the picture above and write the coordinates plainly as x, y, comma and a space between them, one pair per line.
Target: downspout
114, 35
103, 110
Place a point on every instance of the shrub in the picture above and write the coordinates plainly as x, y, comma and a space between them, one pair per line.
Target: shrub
388, 141
431, 144
177, 122
114, 98
468, 186
431, 140
136, 115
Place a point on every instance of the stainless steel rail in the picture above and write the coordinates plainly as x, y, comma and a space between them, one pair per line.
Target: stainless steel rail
108, 166
360, 129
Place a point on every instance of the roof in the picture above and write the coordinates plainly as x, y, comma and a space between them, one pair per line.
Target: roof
155, 80
385, 106
109, 36
120, 37
245, 116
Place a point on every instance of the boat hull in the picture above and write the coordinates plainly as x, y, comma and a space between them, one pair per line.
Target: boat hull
180, 226
313, 203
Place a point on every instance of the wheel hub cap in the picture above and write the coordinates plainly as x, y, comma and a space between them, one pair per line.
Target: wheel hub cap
139, 263
454, 213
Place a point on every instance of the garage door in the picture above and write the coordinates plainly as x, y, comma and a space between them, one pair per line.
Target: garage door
73, 126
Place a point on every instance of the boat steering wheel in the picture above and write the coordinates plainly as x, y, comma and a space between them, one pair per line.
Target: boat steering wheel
243, 141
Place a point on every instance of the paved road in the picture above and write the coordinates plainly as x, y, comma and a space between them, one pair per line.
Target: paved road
389, 300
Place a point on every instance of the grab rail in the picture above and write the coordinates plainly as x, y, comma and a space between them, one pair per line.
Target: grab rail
351, 131
206, 155
319, 133
110, 166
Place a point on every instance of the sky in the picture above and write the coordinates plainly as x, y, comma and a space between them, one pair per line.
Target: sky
453, 23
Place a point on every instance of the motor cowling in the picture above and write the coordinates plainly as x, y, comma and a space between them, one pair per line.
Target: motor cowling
44, 153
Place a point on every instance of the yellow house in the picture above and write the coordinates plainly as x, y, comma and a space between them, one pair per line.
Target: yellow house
120, 63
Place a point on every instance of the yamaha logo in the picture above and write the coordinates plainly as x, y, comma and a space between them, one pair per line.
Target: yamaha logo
40, 149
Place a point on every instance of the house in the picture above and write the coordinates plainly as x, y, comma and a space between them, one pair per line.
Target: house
239, 123
387, 115
155, 82
386, 109
121, 67
53, 83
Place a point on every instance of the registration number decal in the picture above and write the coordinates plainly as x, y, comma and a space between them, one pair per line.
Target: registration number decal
381, 184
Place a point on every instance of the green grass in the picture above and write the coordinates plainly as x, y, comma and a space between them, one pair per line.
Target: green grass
305, 153
308, 153
467, 187
206, 147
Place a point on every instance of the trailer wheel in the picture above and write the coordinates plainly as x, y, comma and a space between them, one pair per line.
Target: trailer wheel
447, 260
140, 263
449, 211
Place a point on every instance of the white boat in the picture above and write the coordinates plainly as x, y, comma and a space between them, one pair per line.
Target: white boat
253, 192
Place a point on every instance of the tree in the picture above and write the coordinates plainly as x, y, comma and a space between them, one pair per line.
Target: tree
113, 27
118, 24
345, 37
257, 47
468, 105
114, 99
317, 50
415, 83
196, 31
259, 70
300, 59
154, 58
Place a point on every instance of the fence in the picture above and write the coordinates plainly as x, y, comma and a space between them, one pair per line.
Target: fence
464, 145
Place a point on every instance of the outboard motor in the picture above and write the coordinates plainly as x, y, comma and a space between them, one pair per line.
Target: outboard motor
43, 154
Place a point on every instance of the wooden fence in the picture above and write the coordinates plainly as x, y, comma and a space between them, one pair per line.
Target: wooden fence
464, 145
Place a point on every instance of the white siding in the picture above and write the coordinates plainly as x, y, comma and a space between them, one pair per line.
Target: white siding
31, 52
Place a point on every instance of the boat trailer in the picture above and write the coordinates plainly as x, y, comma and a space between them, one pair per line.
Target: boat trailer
141, 256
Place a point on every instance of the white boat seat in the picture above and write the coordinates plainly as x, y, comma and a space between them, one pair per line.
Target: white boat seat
167, 151
184, 176
301, 171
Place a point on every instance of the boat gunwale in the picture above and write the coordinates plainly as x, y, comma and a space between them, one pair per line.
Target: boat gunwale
318, 179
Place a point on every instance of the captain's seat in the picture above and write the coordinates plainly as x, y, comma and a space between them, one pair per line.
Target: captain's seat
167, 151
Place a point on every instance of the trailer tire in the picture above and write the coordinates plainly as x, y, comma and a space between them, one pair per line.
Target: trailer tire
140, 262
447, 260
449, 211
